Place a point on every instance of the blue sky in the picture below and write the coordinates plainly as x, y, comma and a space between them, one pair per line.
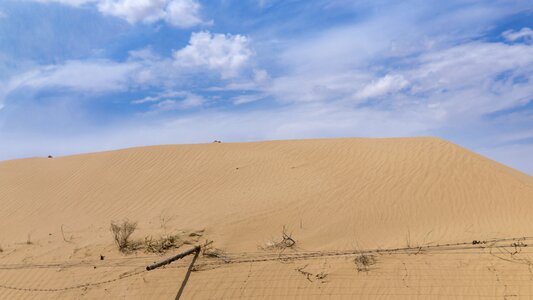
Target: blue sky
89, 75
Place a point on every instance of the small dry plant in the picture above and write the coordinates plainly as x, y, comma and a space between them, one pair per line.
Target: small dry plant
121, 234
209, 251
164, 219
163, 244
310, 276
286, 242
364, 261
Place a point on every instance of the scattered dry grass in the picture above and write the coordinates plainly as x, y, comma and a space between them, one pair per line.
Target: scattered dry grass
121, 234
162, 244
364, 261
123, 230
310, 276
167, 242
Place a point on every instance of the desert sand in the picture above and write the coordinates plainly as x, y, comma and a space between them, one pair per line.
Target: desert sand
412, 206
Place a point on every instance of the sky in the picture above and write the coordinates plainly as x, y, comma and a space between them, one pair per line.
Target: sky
81, 76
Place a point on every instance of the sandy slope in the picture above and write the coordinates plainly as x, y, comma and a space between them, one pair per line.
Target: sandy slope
336, 194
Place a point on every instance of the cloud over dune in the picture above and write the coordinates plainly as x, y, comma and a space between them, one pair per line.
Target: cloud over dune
275, 69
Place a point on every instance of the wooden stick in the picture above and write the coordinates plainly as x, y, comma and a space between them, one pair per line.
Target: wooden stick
173, 258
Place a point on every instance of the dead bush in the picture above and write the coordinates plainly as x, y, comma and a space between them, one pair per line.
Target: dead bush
364, 261
162, 244
286, 242
121, 234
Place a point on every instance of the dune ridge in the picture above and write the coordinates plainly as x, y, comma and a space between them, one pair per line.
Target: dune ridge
331, 194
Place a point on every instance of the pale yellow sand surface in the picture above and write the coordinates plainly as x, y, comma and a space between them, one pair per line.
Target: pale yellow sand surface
336, 197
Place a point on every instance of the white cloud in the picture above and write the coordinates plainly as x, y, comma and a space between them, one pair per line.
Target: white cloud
225, 53
339, 48
68, 2
456, 79
430, 75
243, 99
383, 86
179, 13
316, 86
525, 34
93, 76
261, 79
99, 76
430, 55
172, 100
474, 78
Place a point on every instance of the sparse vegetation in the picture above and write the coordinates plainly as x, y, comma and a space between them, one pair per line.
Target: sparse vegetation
364, 261
321, 276
287, 241
209, 251
121, 234
518, 245
310, 276
162, 244
302, 271
164, 220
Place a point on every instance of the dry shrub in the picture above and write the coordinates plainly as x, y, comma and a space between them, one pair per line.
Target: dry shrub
286, 242
164, 219
121, 234
162, 244
364, 261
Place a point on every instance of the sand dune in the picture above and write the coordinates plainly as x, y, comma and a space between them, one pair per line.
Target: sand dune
333, 195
